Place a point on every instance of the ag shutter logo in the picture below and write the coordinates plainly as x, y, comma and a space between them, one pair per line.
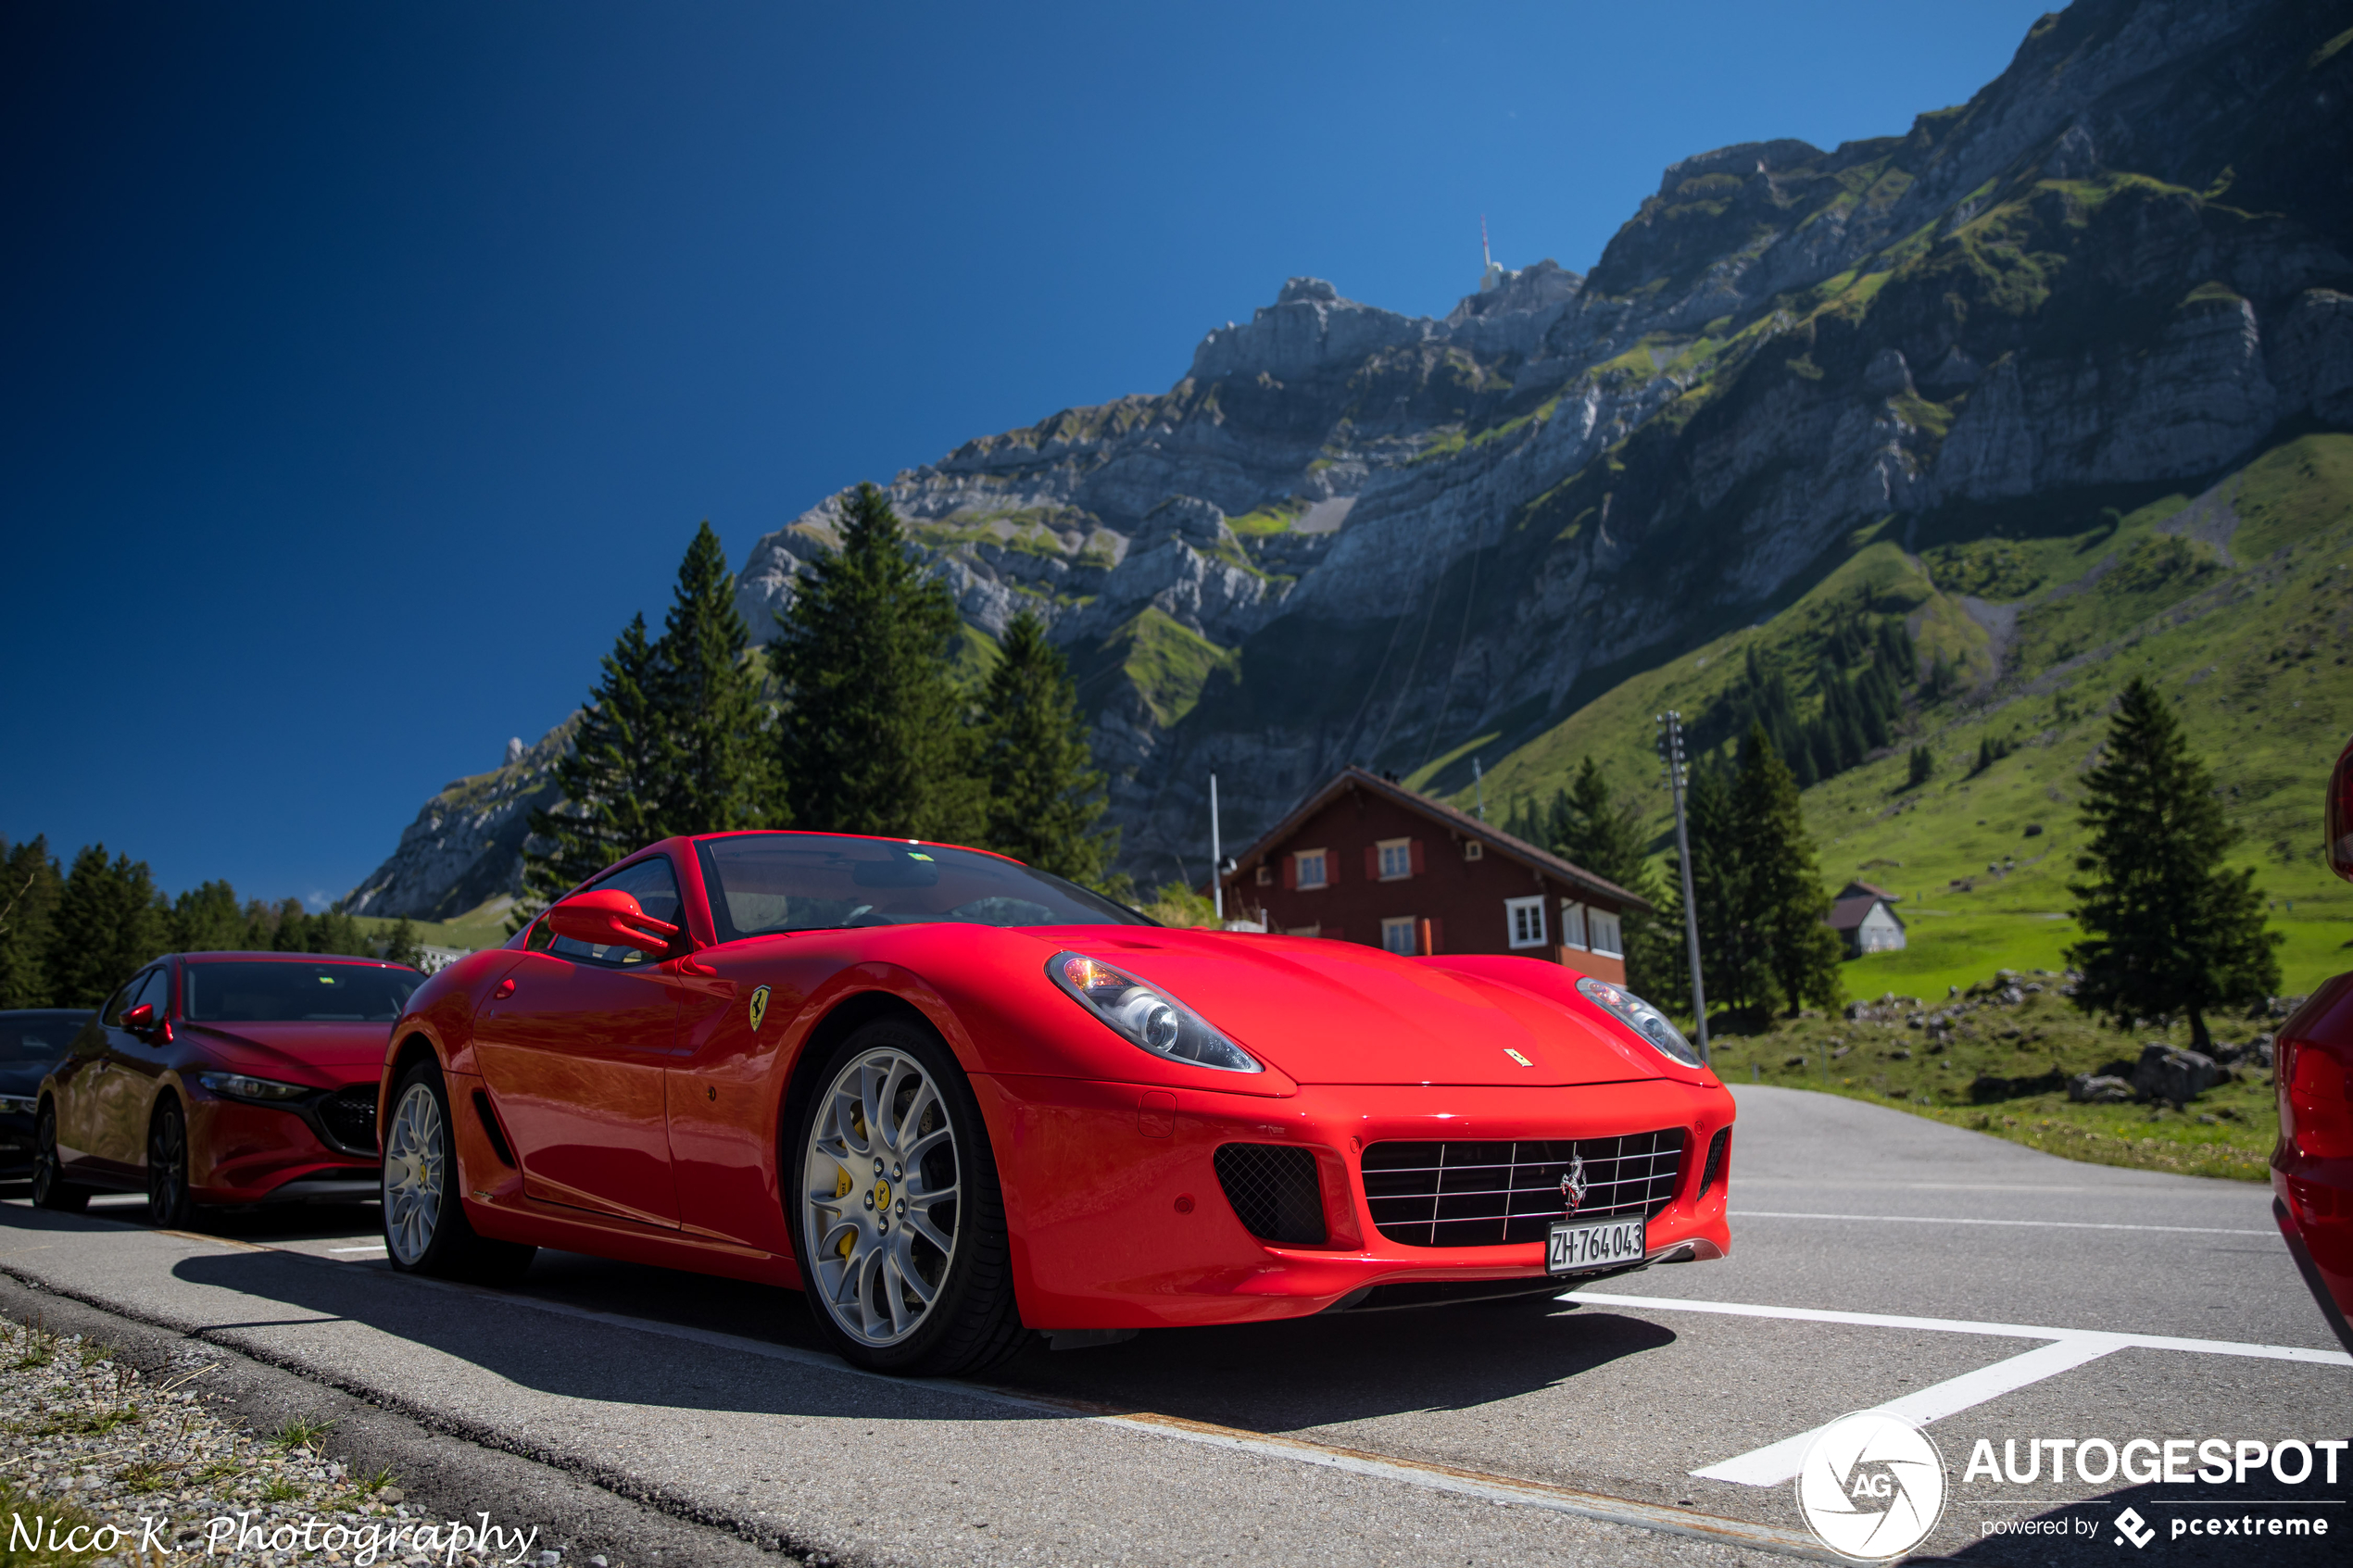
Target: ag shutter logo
1871, 1487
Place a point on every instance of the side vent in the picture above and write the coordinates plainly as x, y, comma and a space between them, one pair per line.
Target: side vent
491, 1129
1719, 1153
1274, 1190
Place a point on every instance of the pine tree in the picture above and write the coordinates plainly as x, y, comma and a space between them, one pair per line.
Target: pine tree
612, 780
1784, 902
206, 918
1923, 764
2168, 928
1044, 791
401, 946
1602, 832
1732, 954
31, 885
109, 921
872, 738
718, 774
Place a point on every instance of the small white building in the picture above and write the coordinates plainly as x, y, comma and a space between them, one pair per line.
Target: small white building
1865, 921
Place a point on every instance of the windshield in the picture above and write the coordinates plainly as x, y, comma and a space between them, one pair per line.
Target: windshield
296, 992
764, 882
38, 1038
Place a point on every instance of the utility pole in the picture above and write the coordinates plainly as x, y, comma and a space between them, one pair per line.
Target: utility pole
1478, 782
1216, 856
1670, 752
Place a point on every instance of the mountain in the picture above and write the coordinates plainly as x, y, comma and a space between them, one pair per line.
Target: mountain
2118, 275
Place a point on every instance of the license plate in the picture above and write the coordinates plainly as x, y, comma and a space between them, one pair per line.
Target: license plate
1596, 1245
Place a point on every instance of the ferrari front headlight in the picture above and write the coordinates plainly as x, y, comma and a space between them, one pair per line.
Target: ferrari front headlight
1146, 1016
1641, 1017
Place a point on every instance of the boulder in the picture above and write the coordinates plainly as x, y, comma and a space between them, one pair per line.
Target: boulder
2165, 1074
2086, 1089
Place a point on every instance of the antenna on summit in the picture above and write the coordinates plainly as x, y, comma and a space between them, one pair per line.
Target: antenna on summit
1492, 275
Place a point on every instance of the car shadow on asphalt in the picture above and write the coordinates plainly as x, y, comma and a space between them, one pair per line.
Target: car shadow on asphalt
1270, 1377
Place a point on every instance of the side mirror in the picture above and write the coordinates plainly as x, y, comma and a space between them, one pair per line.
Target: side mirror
609, 917
141, 1019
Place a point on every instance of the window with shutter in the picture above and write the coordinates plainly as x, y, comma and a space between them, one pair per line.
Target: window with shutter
1392, 859
1572, 923
1397, 934
1314, 868
1605, 931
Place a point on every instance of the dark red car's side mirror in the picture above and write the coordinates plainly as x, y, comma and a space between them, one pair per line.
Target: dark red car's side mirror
609, 917
141, 1019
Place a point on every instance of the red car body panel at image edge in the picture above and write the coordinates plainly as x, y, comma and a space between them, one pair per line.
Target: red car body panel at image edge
644, 1113
314, 1139
2312, 1062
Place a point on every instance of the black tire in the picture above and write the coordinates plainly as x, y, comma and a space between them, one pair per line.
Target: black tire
50, 1189
973, 1322
426, 1231
169, 1205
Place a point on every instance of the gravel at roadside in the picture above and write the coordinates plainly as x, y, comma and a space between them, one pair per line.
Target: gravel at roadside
104, 1465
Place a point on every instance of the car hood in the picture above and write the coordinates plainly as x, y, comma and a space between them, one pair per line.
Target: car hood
23, 1078
1340, 1012
340, 1053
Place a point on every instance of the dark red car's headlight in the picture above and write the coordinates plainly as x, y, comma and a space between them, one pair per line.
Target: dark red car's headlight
239, 1085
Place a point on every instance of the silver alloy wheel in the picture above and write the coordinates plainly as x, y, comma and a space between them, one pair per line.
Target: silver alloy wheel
414, 1168
879, 1197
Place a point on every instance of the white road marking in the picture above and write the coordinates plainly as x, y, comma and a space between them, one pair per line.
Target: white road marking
1776, 1462
1962, 1325
1940, 1219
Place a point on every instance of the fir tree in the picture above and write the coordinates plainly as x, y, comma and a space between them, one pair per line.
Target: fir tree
1739, 979
31, 885
2168, 928
1923, 764
1602, 832
109, 921
612, 781
400, 944
872, 738
206, 918
718, 774
1044, 793
1784, 902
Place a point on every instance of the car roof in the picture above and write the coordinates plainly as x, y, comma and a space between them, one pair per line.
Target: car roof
863, 837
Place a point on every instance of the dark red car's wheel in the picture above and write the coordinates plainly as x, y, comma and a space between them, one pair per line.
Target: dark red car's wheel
898, 1223
50, 1189
426, 1231
168, 1203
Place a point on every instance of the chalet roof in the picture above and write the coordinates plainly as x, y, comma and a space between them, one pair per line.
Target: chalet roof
1457, 821
1853, 888
1848, 914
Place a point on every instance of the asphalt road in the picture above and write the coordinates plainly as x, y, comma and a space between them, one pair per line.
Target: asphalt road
1879, 1260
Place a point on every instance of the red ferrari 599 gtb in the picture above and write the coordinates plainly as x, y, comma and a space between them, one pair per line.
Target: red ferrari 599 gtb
956, 1100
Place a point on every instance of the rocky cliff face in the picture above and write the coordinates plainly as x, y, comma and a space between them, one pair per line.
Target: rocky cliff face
1346, 535
465, 848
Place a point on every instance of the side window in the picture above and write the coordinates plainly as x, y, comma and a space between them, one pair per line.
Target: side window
655, 887
119, 1003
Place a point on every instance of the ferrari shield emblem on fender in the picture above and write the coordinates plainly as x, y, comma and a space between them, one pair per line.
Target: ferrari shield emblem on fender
758, 1007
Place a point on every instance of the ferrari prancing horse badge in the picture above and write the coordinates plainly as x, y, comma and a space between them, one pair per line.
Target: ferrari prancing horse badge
758, 1007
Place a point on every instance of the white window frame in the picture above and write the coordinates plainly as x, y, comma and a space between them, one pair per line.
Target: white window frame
1265, 876
1404, 850
1400, 928
1473, 849
1522, 915
1323, 868
1572, 923
1607, 931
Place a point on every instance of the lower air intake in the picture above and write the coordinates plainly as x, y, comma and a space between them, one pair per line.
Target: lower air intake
1487, 1193
1720, 1151
1274, 1191
349, 1116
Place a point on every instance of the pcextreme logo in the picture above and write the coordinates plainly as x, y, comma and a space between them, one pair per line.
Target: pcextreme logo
1871, 1486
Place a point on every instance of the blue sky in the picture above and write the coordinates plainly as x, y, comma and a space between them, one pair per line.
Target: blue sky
367, 367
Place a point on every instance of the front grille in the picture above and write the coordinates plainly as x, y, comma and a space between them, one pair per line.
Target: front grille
1274, 1191
1487, 1194
349, 1116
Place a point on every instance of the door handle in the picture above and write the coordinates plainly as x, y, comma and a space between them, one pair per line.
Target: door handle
506, 988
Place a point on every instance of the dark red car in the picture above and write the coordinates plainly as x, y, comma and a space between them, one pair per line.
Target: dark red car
2312, 1166
222, 1078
